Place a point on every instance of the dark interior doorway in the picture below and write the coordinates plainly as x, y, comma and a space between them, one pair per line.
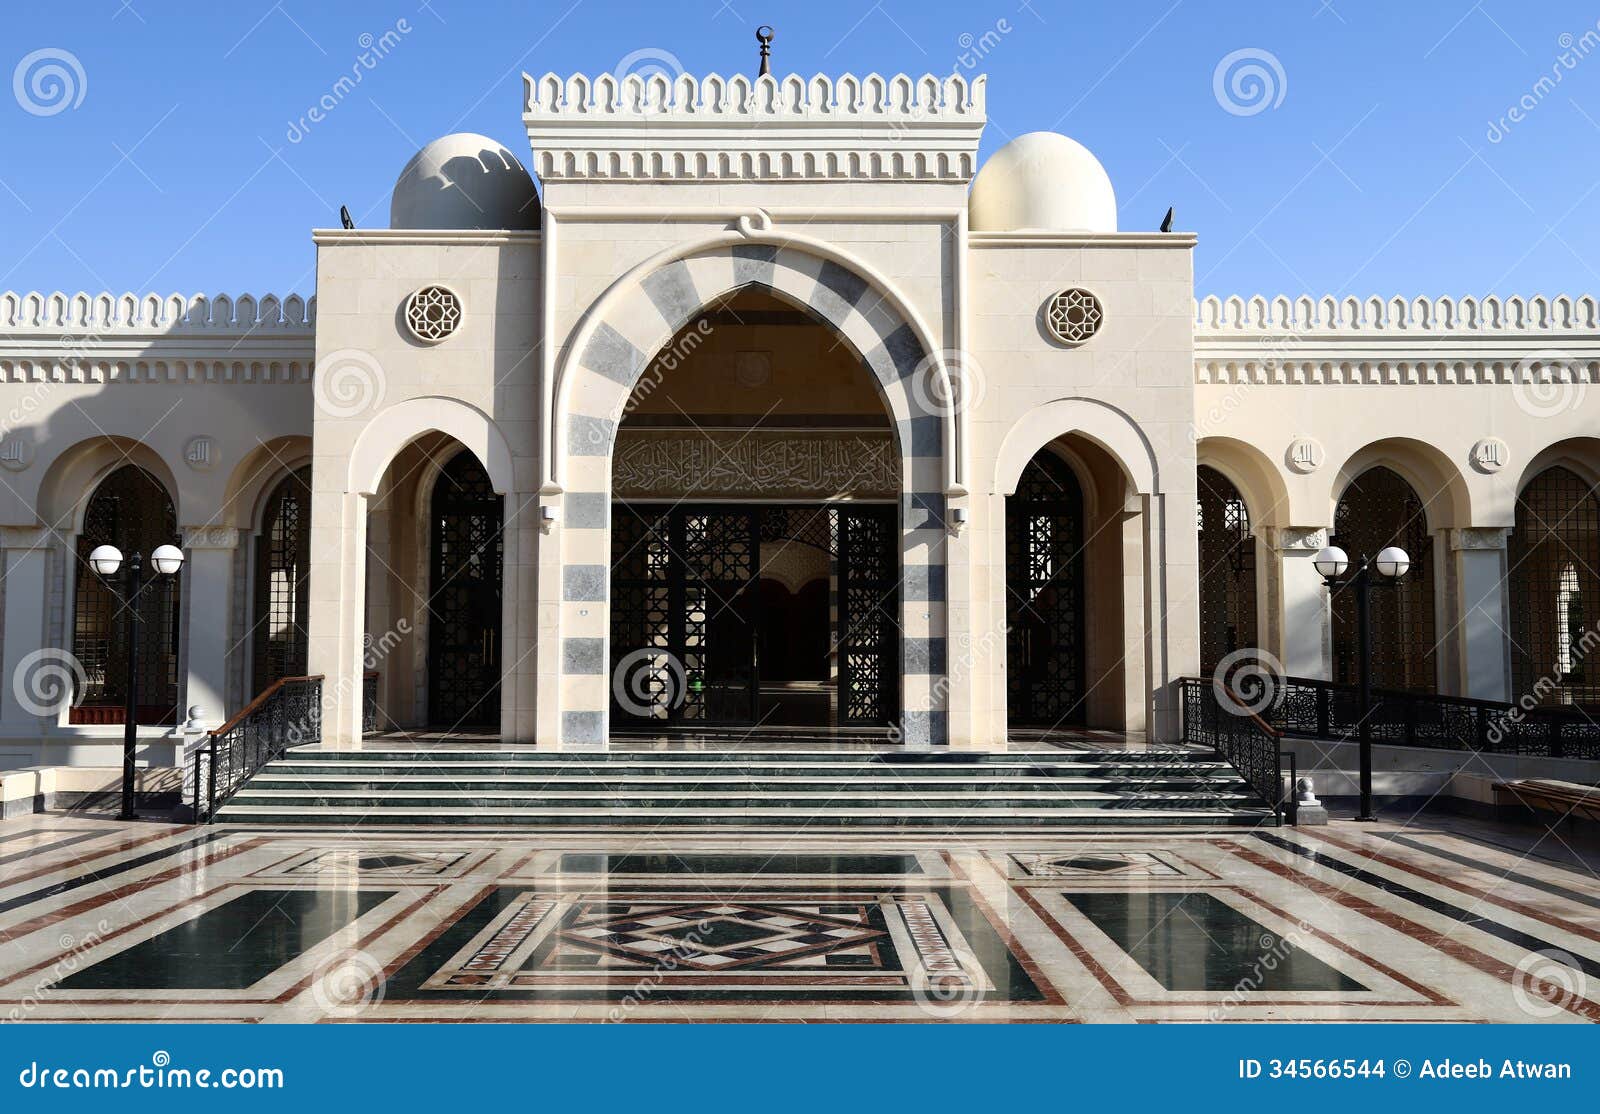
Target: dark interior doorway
1045, 596
753, 615
467, 559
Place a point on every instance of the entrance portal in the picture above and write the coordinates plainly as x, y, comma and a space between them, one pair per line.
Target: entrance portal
745, 615
464, 597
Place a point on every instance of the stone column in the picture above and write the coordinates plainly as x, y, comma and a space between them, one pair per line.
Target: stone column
207, 582
26, 554
1138, 652
1297, 630
1479, 559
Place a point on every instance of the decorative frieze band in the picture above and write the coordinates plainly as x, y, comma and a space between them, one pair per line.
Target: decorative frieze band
687, 464
71, 369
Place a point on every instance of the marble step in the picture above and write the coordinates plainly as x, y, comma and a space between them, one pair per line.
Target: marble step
361, 768
275, 779
656, 819
877, 757
814, 803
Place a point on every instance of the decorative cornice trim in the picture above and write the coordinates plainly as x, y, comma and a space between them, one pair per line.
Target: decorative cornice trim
1270, 369
96, 314
711, 128
342, 237
1184, 240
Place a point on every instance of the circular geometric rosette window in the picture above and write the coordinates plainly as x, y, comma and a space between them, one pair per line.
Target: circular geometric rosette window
433, 313
1073, 316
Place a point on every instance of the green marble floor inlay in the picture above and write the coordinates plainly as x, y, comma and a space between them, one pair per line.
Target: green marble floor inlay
1193, 941
777, 863
233, 946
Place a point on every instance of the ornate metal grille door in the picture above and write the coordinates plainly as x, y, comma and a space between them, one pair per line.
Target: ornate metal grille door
467, 564
1380, 509
1045, 596
1554, 559
1227, 570
686, 609
132, 511
869, 609
684, 614
283, 564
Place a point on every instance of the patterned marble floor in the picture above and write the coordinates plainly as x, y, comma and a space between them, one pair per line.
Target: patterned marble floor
1432, 921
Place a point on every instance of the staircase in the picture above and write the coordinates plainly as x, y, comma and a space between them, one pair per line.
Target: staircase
771, 789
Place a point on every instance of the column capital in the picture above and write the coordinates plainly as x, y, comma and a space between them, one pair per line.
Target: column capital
210, 537
24, 537
1295, 539
1478, 537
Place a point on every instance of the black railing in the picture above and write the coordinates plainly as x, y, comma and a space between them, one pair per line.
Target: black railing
369, 703
1324, 710
1243, 739
287, 713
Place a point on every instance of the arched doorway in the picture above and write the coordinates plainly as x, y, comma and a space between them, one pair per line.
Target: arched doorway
282, 597
754, 529
1045, 604
1380, 509
1553, 556
132, 511
465, 566
1227, 569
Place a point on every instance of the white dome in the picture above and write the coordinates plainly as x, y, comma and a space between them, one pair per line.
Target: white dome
464, 181
1042, 182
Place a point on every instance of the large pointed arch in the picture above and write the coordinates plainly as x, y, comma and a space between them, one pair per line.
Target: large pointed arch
612, 350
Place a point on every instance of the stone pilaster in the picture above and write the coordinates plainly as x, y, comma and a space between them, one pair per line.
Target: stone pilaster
25, 551
207, 582
1478, 558
1297, 629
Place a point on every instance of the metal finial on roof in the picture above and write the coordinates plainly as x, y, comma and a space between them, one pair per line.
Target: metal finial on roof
764, 37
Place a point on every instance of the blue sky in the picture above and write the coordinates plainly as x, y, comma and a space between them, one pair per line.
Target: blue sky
1369, 167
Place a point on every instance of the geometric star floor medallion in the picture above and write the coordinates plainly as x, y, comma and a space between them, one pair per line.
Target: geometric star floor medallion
883, 944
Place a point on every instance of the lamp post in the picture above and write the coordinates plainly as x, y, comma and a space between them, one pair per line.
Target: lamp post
106, 560
1333, 565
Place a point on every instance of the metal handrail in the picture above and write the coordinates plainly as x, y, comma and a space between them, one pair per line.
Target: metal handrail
1246, 741
286, 713
1311, 708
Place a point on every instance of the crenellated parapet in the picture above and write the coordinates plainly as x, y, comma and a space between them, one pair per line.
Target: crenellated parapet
1378, 341
171, 313
696, 128
1420, 315
91, 338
